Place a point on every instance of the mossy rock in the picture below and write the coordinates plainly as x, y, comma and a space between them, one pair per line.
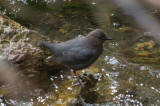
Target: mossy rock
19, 49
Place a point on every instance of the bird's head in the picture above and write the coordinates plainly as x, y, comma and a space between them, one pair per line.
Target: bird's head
99, 35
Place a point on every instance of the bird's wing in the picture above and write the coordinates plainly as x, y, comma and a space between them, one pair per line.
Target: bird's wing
83, 56
77, 56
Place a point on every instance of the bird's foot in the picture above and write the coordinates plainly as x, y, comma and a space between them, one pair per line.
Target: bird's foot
85, 77
82, 79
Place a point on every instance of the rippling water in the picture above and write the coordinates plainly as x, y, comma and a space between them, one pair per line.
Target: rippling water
121, 81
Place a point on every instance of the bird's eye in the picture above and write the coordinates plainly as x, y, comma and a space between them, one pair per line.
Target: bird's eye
100, 37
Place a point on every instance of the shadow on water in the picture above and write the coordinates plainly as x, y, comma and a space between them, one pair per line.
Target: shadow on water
128, 71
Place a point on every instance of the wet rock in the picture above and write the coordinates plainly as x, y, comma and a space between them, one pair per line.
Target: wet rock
19, 49
87, 94
88, 80
88, 97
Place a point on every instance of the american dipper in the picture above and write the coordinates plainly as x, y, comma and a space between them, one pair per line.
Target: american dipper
78, 53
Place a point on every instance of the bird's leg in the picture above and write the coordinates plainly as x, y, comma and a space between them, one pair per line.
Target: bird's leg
85, 76
79, 78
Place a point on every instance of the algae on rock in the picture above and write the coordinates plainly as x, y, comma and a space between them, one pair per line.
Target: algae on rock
19, 48
144, 52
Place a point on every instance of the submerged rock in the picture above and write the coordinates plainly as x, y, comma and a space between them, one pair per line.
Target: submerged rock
146, 51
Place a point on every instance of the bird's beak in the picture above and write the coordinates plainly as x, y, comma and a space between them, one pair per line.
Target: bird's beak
108, 38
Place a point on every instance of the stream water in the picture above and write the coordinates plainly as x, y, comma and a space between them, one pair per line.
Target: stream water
122, 82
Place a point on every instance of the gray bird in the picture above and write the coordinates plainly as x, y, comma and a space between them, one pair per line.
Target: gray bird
78, 53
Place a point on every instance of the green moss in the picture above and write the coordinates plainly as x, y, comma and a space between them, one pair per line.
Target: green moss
18, 37
145, 60
77, 6
39, 4
23, 21
1, 30
4, 42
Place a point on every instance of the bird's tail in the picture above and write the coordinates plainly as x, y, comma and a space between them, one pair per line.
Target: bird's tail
46, 45
42, 44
